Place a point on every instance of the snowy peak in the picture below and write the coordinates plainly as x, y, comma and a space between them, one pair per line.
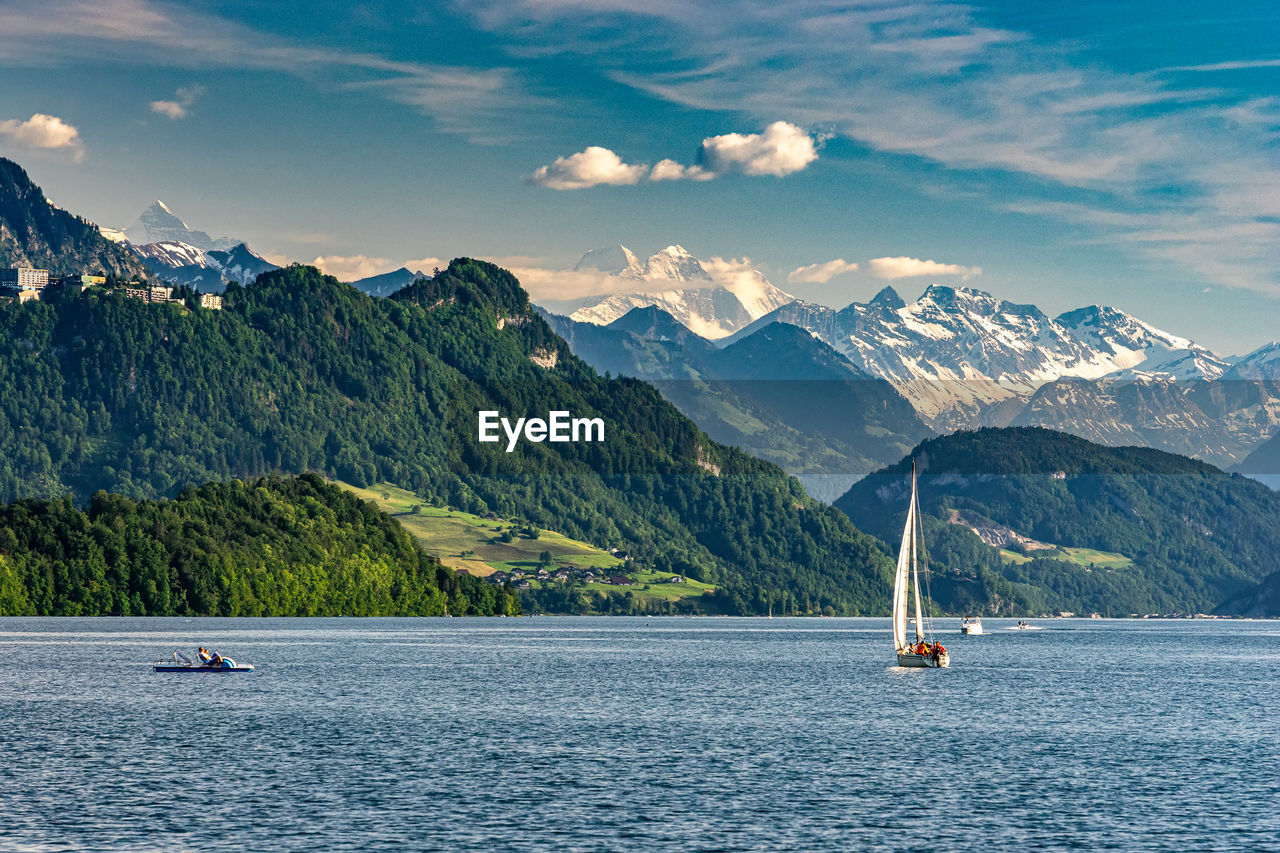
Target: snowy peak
888, 298
711, 305
674, 264
159, 224
1262, 363
611, 259
1111, 328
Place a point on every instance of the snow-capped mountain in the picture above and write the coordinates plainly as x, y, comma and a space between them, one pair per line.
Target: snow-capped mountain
962, 356
173, 254
713, 306
159, 224
1262, 363
208, 271
965, 359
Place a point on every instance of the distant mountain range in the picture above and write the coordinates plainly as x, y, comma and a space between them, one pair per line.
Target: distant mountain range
679, 284
964, 358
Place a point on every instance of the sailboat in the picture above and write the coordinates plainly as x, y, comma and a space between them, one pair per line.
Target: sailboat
923, 651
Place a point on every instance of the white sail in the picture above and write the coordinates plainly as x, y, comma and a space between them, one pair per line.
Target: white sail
906, 555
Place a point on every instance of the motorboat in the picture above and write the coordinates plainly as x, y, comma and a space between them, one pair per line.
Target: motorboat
971, 625
181, 663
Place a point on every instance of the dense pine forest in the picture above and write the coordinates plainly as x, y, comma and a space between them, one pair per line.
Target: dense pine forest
275, 546
303, 373
1192, 538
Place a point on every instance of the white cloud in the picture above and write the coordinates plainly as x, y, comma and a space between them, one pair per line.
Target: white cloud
465, 100
352, 267
356, 267
588, 168
780, 150
914, 267
821, 273
43, 132
932, 80
670, 170
179, 107
425, 265
553, 285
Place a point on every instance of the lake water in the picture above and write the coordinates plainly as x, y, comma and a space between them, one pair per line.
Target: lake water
637, 734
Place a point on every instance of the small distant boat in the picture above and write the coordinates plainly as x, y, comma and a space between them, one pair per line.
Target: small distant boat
181, 663
924, 651
1022, 626
971, 625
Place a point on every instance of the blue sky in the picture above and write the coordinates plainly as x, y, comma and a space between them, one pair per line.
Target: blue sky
1122, 154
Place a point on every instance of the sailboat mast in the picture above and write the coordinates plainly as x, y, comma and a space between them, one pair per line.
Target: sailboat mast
915, 557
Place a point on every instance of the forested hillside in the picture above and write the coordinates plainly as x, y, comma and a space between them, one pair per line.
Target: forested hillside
303, 373
33, 232
281, 547
1132, 530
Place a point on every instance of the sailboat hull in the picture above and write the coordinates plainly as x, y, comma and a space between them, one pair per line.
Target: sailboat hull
915, 660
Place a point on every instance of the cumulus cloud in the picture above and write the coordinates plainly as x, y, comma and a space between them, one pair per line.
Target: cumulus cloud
426, 265
781, 150
914, 267
356, 267
820, 273
43, 132
588, 168
557, 285
670, 170
352, 267
178, 108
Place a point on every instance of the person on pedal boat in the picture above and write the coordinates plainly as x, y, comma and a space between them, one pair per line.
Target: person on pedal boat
203, 655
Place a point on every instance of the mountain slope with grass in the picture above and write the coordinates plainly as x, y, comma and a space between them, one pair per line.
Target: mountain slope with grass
278, 547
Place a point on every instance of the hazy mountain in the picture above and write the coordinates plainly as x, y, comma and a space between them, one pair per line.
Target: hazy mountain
35, 232
780, 393
1085, 527
388, 282
159, 224
677, 282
